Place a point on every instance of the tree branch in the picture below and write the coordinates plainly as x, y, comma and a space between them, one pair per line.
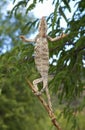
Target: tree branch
50, 113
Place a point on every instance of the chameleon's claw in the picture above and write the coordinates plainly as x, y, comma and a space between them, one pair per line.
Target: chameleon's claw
22, 37
37, 93
63, 35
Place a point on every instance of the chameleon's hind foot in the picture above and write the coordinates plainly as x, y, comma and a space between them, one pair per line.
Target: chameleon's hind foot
37, 93
35, 83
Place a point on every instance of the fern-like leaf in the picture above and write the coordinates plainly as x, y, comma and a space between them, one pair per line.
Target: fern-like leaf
31, 6
62, 13
17, 5
67, 5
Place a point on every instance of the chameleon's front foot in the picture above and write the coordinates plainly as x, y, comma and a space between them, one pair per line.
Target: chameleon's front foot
22, 37
63, 35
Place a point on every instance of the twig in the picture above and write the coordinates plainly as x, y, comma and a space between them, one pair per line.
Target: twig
50, 113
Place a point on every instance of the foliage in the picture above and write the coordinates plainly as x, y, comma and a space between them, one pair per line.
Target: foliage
79, 120
17, 103
16, 99
11, 26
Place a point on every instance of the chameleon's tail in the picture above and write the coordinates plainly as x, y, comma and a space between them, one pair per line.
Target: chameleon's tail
49, 98
45, 88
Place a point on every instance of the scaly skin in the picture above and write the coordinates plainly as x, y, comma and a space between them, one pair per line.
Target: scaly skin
41, 58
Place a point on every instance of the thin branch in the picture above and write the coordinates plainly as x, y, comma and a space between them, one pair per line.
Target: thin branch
50, 113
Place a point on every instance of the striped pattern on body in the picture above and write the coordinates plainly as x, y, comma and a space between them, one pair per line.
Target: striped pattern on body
42, 56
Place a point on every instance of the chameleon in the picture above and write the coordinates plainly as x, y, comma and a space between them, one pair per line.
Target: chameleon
41, 56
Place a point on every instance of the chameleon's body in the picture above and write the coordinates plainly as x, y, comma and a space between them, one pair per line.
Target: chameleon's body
42, 56
41, 52
42, 59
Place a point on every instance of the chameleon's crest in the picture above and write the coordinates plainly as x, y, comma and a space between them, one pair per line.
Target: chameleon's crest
43, 27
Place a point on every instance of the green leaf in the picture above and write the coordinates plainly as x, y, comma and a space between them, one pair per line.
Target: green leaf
41, 1
31, 6
67, 5
62, 13
55, 16
17, 6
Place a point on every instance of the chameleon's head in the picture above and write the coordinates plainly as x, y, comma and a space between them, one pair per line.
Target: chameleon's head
42, 27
